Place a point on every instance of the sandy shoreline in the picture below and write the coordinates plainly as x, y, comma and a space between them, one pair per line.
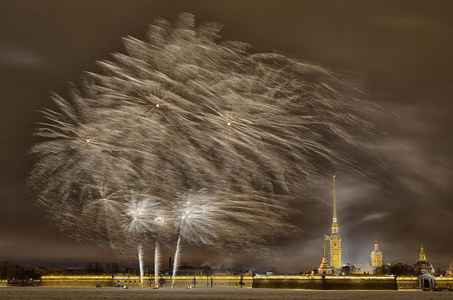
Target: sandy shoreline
11, 293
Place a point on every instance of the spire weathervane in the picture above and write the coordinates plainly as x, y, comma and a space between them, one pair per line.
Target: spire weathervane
334, 202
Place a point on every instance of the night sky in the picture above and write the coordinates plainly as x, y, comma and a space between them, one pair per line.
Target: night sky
400, 53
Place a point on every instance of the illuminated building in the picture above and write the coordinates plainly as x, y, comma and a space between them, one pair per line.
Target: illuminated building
335, 238
325, 268
376, 256
423, 266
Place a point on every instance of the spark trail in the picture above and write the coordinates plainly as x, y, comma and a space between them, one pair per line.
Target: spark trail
141, 263
184, 115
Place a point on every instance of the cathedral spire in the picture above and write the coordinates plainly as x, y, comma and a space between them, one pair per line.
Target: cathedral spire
422, 255
334, 202
335, 238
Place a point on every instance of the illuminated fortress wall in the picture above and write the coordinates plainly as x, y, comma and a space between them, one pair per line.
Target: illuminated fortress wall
204, 281
286, 282
326, 283
443, 282
148, 281
412, 282
90, 281
405, 283
76, 281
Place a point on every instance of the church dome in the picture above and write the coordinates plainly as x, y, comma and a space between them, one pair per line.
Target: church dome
423, 266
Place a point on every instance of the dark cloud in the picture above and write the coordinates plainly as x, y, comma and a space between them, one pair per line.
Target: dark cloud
20, 58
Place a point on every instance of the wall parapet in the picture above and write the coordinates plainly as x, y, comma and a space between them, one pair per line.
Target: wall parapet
326, 282
148, 281
259, 281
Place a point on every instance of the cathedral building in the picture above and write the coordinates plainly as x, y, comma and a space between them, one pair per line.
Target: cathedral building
423, 266
376, 266
335, 265
335, 238
376, 256
325, 268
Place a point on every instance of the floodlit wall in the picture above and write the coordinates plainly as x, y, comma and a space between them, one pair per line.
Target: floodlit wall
407, 282
326, 282
148, 281
133, 280
285, 282
413, 282
207, 281
77, 281
443, 282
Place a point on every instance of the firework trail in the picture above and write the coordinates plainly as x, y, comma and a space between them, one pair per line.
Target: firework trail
161, 237
138, 223
156, 264
141, 263
185, 117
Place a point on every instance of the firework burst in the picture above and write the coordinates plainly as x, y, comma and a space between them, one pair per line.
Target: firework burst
220, 138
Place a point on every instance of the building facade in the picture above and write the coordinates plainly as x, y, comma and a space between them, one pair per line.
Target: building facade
376, 256
325, 268
423, 266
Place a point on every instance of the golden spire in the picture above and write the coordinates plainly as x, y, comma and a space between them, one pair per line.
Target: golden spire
422, 255
334, 202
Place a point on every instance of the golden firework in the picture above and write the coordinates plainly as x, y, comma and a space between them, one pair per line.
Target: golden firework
89, 138
154, 103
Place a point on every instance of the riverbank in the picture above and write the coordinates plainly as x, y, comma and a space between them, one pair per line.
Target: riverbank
16, 293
